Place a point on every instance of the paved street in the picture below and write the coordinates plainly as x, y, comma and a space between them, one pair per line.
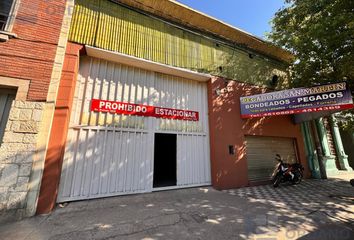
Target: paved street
316, 209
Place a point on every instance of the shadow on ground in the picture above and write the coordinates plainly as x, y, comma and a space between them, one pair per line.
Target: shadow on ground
315, 209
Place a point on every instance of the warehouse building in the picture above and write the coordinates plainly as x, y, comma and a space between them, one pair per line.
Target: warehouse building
146, 97
150, 102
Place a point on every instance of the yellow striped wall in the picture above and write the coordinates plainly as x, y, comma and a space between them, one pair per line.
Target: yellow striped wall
107, 25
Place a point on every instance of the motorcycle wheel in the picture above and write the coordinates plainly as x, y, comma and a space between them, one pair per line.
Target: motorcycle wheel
277, 181
351, 181
297, 178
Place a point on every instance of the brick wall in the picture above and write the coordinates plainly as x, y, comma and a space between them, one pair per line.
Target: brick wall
16, 157
58, 135
31, 55
35, 55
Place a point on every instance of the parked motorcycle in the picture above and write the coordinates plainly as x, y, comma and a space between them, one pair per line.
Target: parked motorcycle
284, 172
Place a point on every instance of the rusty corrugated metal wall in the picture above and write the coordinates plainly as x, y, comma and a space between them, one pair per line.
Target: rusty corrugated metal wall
107, 25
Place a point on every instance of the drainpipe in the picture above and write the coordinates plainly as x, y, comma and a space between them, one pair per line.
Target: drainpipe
342, 157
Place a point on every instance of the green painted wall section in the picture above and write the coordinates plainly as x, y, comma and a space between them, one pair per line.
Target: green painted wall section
310, 149
329, 160
107, 25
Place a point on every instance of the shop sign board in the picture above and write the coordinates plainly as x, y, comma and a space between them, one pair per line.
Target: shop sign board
330, 97
113, 107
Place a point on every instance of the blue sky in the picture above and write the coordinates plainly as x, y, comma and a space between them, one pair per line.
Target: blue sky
252, 16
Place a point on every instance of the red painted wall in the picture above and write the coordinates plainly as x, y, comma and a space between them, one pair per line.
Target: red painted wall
227, 128
31, 55
56, 146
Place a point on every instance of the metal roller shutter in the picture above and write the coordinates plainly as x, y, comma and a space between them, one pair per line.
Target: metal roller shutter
261, 153
109, 154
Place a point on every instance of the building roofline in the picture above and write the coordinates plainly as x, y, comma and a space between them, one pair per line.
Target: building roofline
184, 15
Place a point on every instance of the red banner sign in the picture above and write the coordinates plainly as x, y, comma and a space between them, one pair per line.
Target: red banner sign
142, 110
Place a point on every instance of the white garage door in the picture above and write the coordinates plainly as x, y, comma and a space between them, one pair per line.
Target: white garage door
261, 153
109, 154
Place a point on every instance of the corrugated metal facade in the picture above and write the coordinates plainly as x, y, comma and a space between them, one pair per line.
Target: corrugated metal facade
109, 154
107, 25
261, 153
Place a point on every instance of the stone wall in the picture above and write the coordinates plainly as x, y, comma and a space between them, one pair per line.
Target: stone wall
17, 149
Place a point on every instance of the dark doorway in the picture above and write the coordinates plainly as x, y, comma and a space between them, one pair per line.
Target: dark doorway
165, 160
6, 98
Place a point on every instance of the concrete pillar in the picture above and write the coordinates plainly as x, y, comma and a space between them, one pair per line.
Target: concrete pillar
342, 157
311, 152
58, 134
329, 160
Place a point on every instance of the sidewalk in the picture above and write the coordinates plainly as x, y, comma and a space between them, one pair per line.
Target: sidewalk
343, 175
315, 209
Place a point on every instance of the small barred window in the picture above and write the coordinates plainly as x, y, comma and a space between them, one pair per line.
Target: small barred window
5, 13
